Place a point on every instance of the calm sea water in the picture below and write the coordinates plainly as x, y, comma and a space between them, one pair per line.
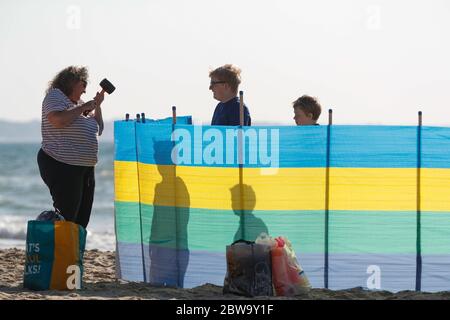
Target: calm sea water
23, 195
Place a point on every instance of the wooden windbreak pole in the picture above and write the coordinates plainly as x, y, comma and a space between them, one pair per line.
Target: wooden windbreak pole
241, 162
174, 122
138, 116
174, 115
327, 198
241, 108
419, 206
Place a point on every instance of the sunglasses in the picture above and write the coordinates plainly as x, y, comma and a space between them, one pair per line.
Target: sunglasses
216, 82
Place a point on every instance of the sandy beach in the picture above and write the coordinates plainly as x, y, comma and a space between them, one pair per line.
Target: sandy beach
100, 283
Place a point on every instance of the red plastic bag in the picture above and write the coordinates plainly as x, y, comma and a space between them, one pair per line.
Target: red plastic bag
288, 276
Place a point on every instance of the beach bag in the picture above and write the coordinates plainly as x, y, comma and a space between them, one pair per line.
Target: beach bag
50, 215
248, 269
54, 255
288, 276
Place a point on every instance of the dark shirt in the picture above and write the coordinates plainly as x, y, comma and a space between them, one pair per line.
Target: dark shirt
227, 114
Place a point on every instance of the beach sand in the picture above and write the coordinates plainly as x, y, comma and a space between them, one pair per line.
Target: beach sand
100, 283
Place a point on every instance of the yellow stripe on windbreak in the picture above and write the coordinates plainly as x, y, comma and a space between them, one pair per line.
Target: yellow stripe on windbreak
372, 189
126, 181
206, 187
435, 186
66, 253
389, 189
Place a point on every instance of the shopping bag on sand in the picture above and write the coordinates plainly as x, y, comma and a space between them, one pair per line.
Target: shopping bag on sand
54, 255
248, 269
288, 276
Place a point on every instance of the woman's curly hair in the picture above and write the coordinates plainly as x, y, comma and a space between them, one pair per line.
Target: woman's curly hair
67, 78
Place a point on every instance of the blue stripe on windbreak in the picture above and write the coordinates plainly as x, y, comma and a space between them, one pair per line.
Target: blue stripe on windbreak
396, 271
435, 272
124, 140
210, 267
299, 147
373, 147
392, 272
124, 135
197, 143
435, 147
199, 267
129, 261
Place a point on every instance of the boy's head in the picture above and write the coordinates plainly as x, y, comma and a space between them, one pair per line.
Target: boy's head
225, 82
307, 110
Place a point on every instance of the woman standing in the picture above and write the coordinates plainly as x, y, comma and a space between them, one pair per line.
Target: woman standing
68, 155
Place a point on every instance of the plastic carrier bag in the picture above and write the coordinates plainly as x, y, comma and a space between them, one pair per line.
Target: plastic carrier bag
248, 269
54, 255
288, 276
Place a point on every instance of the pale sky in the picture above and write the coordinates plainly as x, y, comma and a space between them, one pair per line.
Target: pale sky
373, 62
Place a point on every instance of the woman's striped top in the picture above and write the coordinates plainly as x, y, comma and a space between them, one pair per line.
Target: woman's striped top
76, 144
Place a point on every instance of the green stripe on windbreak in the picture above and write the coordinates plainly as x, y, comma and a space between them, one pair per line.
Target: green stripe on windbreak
128, 227
435, 232
392, 232
212, 230
382, 232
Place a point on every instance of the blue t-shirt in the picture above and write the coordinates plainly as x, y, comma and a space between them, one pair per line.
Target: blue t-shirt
227, 114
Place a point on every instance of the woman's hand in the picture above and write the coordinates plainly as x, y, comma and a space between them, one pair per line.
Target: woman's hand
99, 98
88, 107
97, 101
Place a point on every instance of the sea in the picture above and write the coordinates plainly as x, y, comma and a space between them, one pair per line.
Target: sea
23, 196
